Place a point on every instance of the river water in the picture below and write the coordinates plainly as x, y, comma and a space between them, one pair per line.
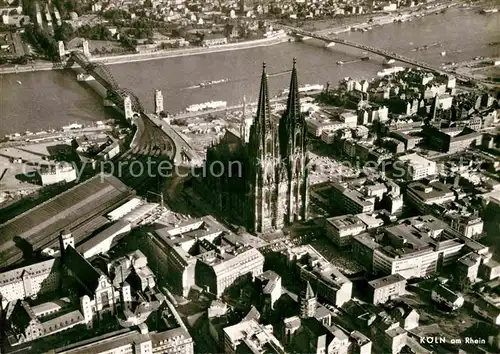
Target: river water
50, 99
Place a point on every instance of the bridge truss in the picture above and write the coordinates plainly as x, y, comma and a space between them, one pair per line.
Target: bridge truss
103, 75
378, 51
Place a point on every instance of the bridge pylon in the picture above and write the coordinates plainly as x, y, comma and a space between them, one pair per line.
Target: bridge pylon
127, 107
86, 48
61, 50
158, 102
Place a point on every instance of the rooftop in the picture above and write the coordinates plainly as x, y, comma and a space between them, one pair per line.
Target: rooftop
102, 236
345, 222
470, 259
253, 334
430, 190
317, 265
386, 281
446, 293
37, 268
42, 224
415, 159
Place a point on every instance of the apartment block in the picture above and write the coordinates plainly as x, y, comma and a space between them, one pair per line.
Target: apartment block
415, 247
340, 229
387, 288
415, 167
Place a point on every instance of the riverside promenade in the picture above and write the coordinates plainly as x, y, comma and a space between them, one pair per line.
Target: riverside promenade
162, 54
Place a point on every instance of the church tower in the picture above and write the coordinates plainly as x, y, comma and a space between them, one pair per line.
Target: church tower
292, 141
307, 302
263, 154
274, 189
246, 124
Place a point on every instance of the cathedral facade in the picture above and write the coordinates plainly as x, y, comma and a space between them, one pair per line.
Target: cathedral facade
261, 181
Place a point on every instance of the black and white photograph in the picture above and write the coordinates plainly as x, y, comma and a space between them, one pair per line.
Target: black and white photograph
249, 177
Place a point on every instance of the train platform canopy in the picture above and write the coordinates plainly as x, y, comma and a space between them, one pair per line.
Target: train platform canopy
41, 225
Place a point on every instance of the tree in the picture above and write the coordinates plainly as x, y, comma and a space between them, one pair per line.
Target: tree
464, 284
64, 32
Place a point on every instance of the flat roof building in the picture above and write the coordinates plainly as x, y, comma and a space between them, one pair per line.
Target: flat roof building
205, 253
414, 167
422, 195
387, 288
251, 337
415, 247
340, 229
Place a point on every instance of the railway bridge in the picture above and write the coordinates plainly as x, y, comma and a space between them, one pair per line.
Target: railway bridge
152, 139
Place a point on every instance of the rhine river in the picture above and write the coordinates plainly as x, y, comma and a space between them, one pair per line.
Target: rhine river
51, 99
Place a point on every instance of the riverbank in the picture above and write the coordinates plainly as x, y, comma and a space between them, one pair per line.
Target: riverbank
139, 57
189, 51
355, 22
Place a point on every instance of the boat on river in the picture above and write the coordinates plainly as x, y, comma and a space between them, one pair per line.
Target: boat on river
213, 82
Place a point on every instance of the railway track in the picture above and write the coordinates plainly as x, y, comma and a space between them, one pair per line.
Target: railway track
139, 166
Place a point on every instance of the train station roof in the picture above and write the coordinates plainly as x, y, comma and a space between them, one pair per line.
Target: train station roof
39, 225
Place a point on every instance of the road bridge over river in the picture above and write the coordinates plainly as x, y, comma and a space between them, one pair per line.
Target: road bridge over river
382, 52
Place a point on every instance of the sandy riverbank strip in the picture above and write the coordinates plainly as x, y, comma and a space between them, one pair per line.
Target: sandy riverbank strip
138, 57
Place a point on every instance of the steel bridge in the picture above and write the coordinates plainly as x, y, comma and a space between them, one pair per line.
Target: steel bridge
154, 138
381, 52
102, 75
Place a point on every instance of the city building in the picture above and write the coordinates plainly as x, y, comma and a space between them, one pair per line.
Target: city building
471, 226
452, 140
213, 40
140, 341
387, 288
309, 335
361, 344
62, 172
468, 266
407, 316
414, 167
269, 284
263, 200
251, 337
351, 200
117, 289
489, 270
488, 310
81, 204
443, 295
104, 240
415, 247
349, 119
202, 252
340, 229
321, 124
325, 279
423, 195
28, 281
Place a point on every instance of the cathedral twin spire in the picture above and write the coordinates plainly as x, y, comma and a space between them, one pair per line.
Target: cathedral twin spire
263, 121
293, 103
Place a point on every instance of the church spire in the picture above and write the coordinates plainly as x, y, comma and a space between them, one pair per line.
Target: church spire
307, 302
309, 292
263, 111
293, 103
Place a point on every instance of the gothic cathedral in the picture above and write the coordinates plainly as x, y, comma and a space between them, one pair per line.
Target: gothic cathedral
269, 189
